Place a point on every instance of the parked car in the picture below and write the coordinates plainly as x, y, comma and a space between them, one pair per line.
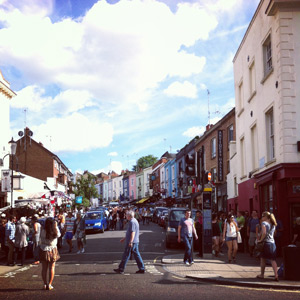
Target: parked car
96, 221
173, 219
157, 212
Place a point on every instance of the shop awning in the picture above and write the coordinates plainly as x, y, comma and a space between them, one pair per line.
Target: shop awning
142, 200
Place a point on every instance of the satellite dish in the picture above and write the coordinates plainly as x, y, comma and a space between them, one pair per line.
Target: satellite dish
30, 133
20, 133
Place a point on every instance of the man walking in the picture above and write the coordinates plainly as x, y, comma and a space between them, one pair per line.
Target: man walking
186, 229
132, 245
251, 230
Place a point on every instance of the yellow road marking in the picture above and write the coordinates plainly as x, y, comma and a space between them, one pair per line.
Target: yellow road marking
260, 289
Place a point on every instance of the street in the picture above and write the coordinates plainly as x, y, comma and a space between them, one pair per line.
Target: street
91, 276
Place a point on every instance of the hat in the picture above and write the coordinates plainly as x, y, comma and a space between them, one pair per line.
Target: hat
3, 215
23, 220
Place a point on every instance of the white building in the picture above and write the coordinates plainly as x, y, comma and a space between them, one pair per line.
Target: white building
6, 94
267, 92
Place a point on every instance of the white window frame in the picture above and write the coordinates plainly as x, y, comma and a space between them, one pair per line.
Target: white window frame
213, 147
270, 135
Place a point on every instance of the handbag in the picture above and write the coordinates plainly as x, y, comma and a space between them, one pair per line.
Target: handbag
239, 238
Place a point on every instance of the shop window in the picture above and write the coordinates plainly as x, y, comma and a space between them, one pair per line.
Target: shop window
268, 198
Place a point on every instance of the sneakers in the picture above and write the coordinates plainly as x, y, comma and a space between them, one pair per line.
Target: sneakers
214, 252
119, 271
192, 262
82, 251
78, 252
50, 287
186, 263
140, 272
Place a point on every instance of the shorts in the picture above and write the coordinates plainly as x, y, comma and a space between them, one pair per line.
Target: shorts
252, 239
49, 256
269, 251
229, 238
69, 235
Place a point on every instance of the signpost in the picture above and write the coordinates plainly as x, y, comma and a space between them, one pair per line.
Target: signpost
207, 227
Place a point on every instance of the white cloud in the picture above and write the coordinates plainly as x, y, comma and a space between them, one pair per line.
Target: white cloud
74, 133
112, 154
178, 89
115, 166
194, 131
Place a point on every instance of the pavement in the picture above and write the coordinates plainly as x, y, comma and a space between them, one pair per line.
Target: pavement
210, 269
216, 270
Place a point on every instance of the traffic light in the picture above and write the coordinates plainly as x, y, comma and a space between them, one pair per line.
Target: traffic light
206, 177
190, 168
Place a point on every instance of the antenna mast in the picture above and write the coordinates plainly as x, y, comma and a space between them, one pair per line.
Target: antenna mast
208, 93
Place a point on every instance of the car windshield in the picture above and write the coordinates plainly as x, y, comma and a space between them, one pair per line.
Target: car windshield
93, 216
177, 215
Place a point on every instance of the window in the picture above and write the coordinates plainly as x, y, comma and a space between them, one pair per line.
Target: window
267, 56
254, 145
235, 186
132, 181
268, 199
252, 79
173, 172
230, 134
270, 135
213, 148
241, 96
242, 143
214, 174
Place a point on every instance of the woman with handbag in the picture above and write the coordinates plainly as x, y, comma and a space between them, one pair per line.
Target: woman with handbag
48, 251
231, 229
268, 227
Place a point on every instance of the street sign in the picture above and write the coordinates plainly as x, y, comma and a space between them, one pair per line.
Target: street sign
209, 176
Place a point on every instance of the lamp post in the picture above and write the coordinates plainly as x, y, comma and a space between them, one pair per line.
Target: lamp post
13, 148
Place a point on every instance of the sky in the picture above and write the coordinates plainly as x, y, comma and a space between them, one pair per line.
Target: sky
103, 83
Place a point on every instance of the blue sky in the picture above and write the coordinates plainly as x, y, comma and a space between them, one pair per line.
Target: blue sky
106, 82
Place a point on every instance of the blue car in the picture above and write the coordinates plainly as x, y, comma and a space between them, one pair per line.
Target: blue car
95, 221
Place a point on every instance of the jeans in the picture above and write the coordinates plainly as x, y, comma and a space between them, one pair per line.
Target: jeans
188, 254
126, 255
36, 252
23, 254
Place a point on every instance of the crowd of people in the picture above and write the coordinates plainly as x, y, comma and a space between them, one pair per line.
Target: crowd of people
240, 232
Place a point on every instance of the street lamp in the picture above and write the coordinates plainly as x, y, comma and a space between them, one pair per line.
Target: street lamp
13, 148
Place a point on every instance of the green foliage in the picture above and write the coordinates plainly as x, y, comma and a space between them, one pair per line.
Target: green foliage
85, 187
145, 162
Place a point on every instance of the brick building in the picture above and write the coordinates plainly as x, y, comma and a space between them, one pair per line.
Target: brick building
35, 160
213, 146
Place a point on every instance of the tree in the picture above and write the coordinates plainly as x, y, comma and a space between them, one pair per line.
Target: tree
145, 162
85, 187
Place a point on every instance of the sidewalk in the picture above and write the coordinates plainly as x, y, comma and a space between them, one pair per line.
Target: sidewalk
217, 270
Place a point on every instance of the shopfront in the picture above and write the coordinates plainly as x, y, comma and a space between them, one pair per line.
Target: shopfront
279, 193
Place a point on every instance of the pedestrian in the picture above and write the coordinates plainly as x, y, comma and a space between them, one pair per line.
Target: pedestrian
251, 230
230, 236
215, 235
10, 230
2, 232
48, 251
21, 243
36, 239
186, 229
199, 229
246, 238
268, 227
278, 236
69, 228
296, 233
121, 218
131, 245
79, 232
241, 225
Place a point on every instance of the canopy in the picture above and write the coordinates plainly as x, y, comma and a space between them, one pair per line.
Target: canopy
142, 200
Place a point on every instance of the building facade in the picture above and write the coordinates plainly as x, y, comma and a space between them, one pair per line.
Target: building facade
267, 90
